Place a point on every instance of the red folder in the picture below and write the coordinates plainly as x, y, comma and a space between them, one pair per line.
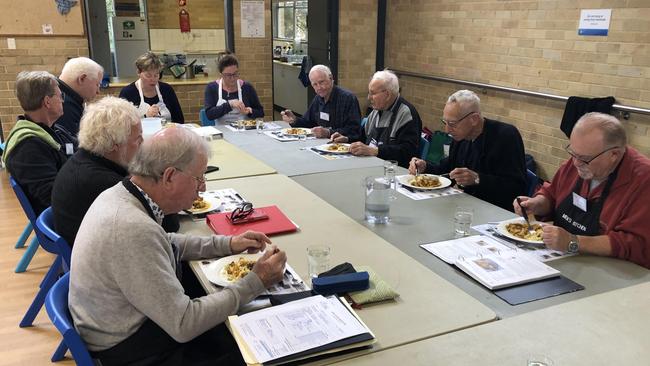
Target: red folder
277, 223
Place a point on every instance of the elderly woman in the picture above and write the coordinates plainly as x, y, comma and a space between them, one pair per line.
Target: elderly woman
152, 97
230, 98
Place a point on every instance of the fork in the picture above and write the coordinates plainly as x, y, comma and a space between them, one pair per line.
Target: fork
525, 215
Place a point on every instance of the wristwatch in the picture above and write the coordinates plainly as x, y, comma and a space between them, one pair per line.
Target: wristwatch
574, 247
477, 180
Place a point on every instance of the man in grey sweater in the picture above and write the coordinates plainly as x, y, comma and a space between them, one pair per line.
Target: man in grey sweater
126, 299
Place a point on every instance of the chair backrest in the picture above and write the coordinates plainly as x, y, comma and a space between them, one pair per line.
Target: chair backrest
24, 201
204, 118
424, 148
49, 239
531, 183
56, 304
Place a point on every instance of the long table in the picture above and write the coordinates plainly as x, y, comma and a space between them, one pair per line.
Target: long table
428, 305
606, 329
233, 162
416, 222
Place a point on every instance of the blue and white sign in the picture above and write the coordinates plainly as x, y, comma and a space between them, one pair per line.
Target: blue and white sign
594, 22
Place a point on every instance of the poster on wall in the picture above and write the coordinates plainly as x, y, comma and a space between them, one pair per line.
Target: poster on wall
594, 22
252, 19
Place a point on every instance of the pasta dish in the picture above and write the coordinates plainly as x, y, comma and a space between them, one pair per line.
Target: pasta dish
338, 148
200, 204
295, 131
520, 230
239, 269
425, 181
248, 122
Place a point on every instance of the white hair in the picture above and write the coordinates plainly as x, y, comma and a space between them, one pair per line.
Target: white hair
78, 66
391, 83
106, 123
611, 128
321, 68
467, 99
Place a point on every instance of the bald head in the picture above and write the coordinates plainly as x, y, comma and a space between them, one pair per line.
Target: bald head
608, 126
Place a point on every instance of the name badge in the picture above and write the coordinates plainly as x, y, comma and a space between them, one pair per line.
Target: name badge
324, 116
69, 150
373, 143
580, 202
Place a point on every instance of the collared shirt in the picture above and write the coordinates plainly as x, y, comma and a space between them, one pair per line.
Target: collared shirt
157, 212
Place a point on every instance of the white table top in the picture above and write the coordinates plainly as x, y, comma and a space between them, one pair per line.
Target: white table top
233, 162
606, 329
428, 305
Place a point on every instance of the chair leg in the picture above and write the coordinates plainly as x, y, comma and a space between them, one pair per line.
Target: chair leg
23, 237
60, 351
27, 257
50, 278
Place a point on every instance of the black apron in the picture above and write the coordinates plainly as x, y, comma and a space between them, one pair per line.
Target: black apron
579, 222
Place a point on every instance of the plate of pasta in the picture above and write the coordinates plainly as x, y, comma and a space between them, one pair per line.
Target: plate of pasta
228, 270
202, 205
335, 148
425, 182
296, 131
517, 229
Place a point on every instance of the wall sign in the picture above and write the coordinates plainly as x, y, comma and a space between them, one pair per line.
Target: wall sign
252, 19
594, 22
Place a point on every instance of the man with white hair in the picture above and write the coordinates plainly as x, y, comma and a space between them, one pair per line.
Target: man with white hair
333, 109
486, 157
598, 198
126, 297
393, 128
109, 137
79, 81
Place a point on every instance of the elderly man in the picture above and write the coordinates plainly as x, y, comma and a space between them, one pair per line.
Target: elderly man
125, 295
486, 157
597, 199
333, 110
34, 153
109, 137
393, 128
79, 81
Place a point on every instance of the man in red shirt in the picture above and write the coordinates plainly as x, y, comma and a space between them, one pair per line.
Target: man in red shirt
598, 198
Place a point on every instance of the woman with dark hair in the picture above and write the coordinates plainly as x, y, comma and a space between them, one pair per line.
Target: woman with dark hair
230, 98
152, 97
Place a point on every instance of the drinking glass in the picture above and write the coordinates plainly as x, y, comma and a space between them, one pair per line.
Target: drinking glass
302, 137
259, 125
378, 197
318, 258
540, 360
241, 125
390, 166
462, 221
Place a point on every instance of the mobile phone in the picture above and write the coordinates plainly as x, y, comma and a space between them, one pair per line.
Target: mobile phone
211, 168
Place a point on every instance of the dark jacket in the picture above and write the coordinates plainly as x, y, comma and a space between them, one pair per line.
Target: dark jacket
345, 114
497, 155
130, 93
73, 109
248, 96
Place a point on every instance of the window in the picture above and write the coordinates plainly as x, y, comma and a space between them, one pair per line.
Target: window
290, 20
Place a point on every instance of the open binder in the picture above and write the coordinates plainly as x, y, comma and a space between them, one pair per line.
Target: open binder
298, 330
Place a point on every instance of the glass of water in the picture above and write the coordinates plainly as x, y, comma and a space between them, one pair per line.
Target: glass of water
390, 166
462, 221
241, 125
259, 125
540, 360
318, 258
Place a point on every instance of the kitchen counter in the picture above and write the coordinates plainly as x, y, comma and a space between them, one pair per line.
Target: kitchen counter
290, 64
198, 80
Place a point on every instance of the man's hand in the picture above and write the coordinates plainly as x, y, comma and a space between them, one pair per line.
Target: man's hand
270, 267
555, 237
248, 110
464, 176
288, 116
252, 241
538, 205
237, 105
361, 149
153, 111
418, 164
338, 138
321, 132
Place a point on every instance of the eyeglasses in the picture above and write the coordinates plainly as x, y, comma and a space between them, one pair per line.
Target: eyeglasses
372, 94
241, 213
453, 124
584, 160
233, 75
200, 179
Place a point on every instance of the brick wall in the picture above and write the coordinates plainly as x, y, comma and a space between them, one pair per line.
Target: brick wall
531, 45
357, 46
32, 53
207, 14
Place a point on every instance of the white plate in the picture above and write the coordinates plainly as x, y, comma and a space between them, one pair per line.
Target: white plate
405, 180
303, 131
216, 271
501, 228
324, 148
213, 202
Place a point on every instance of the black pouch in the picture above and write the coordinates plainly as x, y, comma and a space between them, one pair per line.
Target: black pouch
342, 268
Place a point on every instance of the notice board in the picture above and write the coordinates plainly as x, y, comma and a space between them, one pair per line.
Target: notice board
40, 17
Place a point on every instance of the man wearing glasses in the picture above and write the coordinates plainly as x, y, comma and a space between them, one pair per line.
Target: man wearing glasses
598, 199
486, 157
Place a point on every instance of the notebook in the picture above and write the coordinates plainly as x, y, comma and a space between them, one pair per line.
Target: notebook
277, 223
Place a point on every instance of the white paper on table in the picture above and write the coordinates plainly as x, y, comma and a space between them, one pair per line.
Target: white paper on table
296, 326
208, 132
542, 253
424, 195
451, 250
284, 138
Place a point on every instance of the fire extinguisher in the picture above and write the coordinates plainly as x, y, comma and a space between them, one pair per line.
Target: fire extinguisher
184, 21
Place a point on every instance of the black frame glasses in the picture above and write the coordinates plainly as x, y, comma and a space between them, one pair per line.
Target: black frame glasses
583, 160
230, 76
453, 124
241, 213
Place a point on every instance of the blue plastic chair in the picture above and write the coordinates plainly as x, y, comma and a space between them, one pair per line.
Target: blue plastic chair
56, 305
204, 118
424, 148
531, 182
31, 216
55, 244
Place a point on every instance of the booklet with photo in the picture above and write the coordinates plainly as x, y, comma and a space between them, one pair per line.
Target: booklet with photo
298, 330
491, 263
